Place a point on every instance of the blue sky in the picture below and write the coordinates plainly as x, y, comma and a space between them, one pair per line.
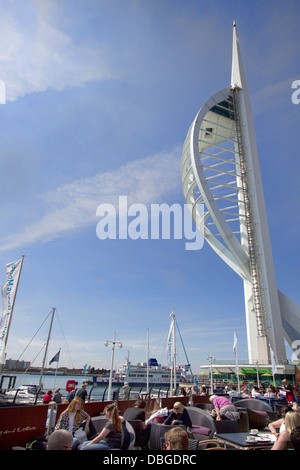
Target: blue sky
99, 98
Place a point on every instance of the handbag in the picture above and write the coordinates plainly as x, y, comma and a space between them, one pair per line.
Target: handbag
80, 435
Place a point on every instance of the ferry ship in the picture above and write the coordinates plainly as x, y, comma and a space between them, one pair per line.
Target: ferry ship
136, 375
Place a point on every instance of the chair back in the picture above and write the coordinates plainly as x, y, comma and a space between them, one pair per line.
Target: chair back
140, 437
243, 422
202, 418
204, 406
226, 426
158, 430
253, 404
97, 423
128, 436
257, 419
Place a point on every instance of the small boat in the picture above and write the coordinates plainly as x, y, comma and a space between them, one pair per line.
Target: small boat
25, 394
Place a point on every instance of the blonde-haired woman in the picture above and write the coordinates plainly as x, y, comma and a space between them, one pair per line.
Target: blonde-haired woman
178, 415
72, 418
291, 420
111, 435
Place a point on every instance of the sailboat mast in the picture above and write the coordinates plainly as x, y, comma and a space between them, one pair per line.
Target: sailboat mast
147, 360
172, 342
46, 350
174, 354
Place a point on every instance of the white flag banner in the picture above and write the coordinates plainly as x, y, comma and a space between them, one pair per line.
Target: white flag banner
9, 290
274, 367
170, 347
235, 353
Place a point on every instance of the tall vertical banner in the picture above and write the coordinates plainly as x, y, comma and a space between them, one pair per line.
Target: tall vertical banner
236, 359
274, 367
170, 347
9, 290
235, 353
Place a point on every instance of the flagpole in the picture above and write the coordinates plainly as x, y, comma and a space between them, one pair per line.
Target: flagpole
56, 368
148, 360
10, 316
174, 352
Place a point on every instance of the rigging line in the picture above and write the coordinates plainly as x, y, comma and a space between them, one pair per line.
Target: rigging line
57, 316
32, 338
188, 362
30, 364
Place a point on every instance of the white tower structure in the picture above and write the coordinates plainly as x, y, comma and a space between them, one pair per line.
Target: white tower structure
220, 169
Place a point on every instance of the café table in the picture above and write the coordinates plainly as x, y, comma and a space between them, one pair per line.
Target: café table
240, 440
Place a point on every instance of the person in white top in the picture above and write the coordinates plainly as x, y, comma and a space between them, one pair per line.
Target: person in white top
270, 393
255, 393
279, 424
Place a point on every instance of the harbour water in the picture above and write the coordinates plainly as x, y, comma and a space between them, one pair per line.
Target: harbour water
99, 392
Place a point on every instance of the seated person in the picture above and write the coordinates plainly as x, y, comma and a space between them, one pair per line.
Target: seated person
136, 412
221, 406
255, 393
111, 435
292, 421
179, 416
176, 439
73, 417
233, 392
295, 438
279, 424
60, 440
270, 392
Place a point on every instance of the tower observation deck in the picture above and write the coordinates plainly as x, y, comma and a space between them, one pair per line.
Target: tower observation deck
220, 169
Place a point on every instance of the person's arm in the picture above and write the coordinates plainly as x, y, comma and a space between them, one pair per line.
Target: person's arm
87, 424
217, 410
61, 421
275, 425
100, 436
186, 420
280, 444
169, 419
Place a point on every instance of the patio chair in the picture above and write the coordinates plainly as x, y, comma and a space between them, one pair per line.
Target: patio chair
128, 436
140, 435
158, 430
253, 404
202, 423
210, 444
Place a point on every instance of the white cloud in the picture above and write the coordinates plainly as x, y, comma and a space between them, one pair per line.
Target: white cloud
73, 206
37, 52
271, 96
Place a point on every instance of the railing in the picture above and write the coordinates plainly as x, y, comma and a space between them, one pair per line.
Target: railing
134, 393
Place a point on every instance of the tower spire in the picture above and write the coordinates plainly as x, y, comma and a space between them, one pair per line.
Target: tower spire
237, 70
